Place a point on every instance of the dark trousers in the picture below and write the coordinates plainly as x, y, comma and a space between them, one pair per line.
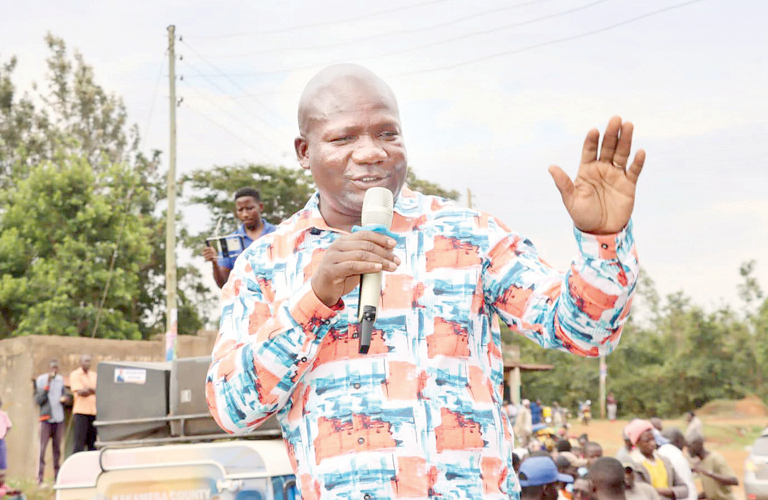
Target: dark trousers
85, 433
52, 432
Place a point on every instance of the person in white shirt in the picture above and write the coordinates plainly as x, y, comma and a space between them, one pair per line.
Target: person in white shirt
673, 450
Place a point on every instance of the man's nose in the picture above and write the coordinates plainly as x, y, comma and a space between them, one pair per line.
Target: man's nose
368, 150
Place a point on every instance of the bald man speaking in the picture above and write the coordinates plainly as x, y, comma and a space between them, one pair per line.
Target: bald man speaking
421, 414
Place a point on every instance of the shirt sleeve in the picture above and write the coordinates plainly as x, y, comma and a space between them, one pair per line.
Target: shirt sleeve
75, 382
264, 347
581, 311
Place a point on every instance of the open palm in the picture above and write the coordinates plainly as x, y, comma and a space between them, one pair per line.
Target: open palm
601, 198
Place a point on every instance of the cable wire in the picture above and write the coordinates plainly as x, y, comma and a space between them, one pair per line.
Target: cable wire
233, 82
236, 118
228, 131
324, 23
154, 95
551, 42
432, 44
227, 94
387, 34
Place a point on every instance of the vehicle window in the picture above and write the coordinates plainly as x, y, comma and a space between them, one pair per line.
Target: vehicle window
761, 446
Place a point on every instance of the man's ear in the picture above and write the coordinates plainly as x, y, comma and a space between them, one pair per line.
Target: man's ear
302, 151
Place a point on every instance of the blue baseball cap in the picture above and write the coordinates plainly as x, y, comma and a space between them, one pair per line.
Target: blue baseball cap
536, 471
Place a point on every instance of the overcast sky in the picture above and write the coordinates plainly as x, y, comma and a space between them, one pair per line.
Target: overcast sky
491, 93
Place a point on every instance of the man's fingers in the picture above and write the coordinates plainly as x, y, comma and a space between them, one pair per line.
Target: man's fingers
355, 267
625, 145
589, 151
378, 238
610, 139
563, 183
633, 172
364, 246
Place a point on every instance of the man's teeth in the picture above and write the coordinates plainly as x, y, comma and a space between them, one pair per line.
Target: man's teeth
369, 179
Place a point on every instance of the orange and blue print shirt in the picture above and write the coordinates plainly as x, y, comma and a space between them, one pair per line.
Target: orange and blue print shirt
420, 415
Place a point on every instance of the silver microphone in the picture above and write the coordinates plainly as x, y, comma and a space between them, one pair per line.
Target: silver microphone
377, 209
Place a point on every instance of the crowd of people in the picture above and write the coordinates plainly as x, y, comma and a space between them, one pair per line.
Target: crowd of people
655, 463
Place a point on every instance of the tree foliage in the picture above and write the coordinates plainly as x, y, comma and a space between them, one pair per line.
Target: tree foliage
70, 149
678, 360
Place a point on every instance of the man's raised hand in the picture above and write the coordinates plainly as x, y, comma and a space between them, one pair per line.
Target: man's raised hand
601, 198
363, 252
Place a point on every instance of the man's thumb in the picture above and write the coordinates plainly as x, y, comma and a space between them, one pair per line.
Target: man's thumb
563, 183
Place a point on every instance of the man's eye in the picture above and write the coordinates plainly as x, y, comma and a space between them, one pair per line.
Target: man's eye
342, 139
389, 135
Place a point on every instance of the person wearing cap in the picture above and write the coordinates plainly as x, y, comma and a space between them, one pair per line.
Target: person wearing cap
539, 479
652, 467
606, 476
636, 490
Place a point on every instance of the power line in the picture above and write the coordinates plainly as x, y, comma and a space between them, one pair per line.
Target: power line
236, 118
432, 44
225, 93
154, 95
233, 82
228, 131
387, 34
551, 42
325, 23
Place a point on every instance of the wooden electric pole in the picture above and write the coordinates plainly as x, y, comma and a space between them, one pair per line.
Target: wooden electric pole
469, 198
171, 331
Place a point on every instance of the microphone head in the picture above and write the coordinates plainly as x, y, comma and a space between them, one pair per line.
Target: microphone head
377, 207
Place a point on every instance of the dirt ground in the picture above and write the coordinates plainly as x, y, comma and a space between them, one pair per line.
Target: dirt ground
729, 436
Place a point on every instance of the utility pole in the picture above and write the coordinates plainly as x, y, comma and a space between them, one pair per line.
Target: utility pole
171, 332
469, 198
603, 376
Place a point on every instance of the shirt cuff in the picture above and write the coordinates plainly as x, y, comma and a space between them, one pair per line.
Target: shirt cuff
309, 311
604, 246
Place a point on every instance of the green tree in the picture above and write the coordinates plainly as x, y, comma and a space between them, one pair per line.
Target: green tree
60, 231
76, 120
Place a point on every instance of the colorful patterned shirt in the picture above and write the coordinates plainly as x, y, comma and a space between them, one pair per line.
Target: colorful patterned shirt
421, 414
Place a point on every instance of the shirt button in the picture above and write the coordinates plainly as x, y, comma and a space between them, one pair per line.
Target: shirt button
315, 231
367, 497
304, 360
357, 386
360, 440
604, 245
326, 322
354, 335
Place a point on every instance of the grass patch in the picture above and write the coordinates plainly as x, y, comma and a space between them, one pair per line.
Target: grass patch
732, 436
30, 488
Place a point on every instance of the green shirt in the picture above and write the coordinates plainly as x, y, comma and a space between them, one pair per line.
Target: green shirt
715, 490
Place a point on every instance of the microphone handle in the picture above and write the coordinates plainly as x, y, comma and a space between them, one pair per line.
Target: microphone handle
368, 305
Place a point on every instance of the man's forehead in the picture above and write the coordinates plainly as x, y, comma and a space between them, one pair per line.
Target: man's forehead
343, 89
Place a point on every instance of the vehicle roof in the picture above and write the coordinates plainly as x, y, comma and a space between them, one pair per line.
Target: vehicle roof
237, 458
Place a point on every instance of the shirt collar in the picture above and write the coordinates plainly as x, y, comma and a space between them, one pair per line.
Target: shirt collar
406, 211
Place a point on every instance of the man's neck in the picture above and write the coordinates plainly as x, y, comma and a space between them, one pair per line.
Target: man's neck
255, 232
337, 220
611, 496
